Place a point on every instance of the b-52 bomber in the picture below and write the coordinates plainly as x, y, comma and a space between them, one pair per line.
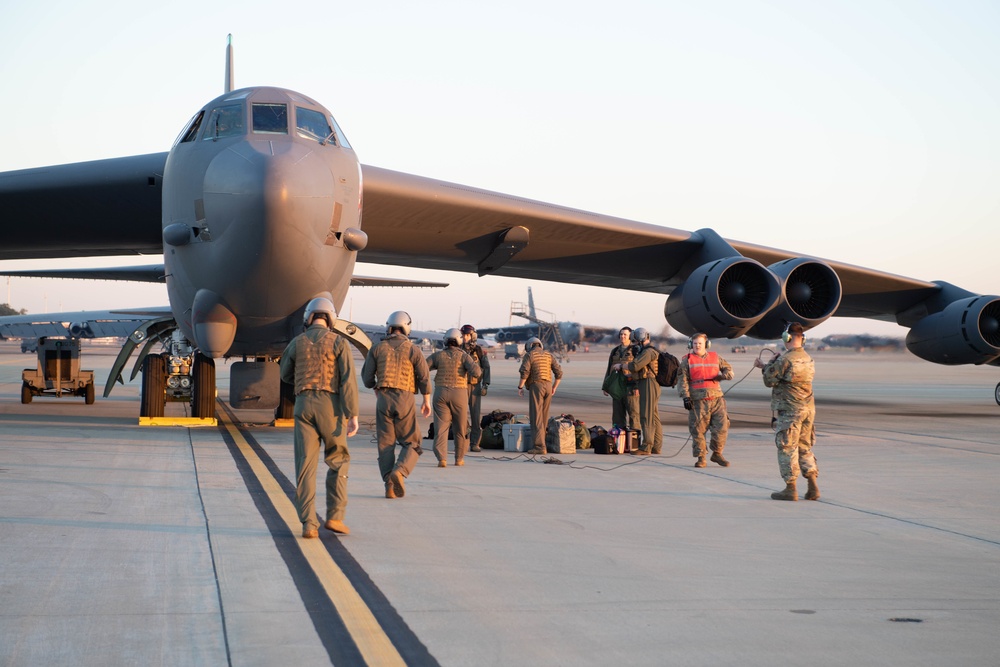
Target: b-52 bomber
261, 204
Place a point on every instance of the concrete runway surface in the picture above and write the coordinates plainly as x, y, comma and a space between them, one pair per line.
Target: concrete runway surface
126, 545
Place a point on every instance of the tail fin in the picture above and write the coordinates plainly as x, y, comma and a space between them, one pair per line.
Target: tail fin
531, 305
230, 76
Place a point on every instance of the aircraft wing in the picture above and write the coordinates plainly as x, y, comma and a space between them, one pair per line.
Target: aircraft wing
104, 207
426, 223
154, 273
79, 324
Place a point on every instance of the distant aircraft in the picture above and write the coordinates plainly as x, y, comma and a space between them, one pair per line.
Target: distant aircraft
861, 341
257, 208
554, 335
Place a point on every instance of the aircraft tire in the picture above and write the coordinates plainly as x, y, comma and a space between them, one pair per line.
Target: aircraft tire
203, 387
154, 386
88, 394
996, 393
286, 403
26, 394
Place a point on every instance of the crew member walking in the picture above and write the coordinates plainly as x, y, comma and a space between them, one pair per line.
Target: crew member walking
698, 386
451, 397
477, 386
790, 377
396, 369
318, 365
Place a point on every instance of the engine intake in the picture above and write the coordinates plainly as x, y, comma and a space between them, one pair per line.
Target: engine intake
967, 331
810, 294
723, 298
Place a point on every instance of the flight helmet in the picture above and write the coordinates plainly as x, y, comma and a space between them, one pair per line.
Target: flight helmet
400, 320
320, 307
469, 329
640, 335
453, 335
533, 342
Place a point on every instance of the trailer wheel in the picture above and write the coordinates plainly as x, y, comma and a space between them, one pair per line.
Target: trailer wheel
154, 386
88, 394
996, 393
25, 394
203, 390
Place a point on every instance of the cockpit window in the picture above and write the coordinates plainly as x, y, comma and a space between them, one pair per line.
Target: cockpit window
191, 129
341, 139
270, 118
313, 125
224, 121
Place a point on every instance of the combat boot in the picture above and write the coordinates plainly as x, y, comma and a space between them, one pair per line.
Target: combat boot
337, 526
788, 493
718, 458
700, 463
812, 493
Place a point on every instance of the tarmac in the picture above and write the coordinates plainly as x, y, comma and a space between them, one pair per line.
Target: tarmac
126, 545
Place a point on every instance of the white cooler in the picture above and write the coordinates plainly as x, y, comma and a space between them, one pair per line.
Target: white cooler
516, 437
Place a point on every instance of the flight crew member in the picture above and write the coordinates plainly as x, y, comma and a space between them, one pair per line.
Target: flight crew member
541, 373
698, 386
624, 411
790, 377
396, 369
477, 386
643, 369
455, 368
318, 364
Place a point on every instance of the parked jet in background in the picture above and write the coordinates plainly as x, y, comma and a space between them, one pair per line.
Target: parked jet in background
257, 209
554, 334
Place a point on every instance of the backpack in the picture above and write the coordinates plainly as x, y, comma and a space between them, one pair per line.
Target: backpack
667, 366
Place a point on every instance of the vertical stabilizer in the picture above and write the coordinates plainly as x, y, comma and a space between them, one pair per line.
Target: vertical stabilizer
531, 305
229, 64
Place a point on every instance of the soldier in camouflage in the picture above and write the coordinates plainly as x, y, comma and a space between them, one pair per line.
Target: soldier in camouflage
318, 365
396, 370
541, 373
698, 386
790, 377
455, 368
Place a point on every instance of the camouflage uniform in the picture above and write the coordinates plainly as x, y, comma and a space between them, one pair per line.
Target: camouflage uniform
318, 364
790, 377
538, 369
476, 389
396, 369
624, 411
643, 369
708, 404
455, 368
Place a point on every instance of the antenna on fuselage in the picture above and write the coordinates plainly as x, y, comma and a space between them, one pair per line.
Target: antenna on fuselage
229, 64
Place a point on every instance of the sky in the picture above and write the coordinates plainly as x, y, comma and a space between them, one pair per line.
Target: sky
864, 132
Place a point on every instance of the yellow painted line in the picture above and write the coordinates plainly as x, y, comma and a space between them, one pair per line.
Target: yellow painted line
372, 642
177, 421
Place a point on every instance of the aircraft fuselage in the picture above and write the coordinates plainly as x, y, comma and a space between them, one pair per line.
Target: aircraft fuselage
261, 213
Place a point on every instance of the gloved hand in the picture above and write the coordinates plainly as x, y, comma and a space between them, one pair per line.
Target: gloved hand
482, 390
687, 404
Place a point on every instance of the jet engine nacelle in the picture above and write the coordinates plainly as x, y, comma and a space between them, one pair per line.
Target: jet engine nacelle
810, 294
80, 330
723, 298
967, 331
